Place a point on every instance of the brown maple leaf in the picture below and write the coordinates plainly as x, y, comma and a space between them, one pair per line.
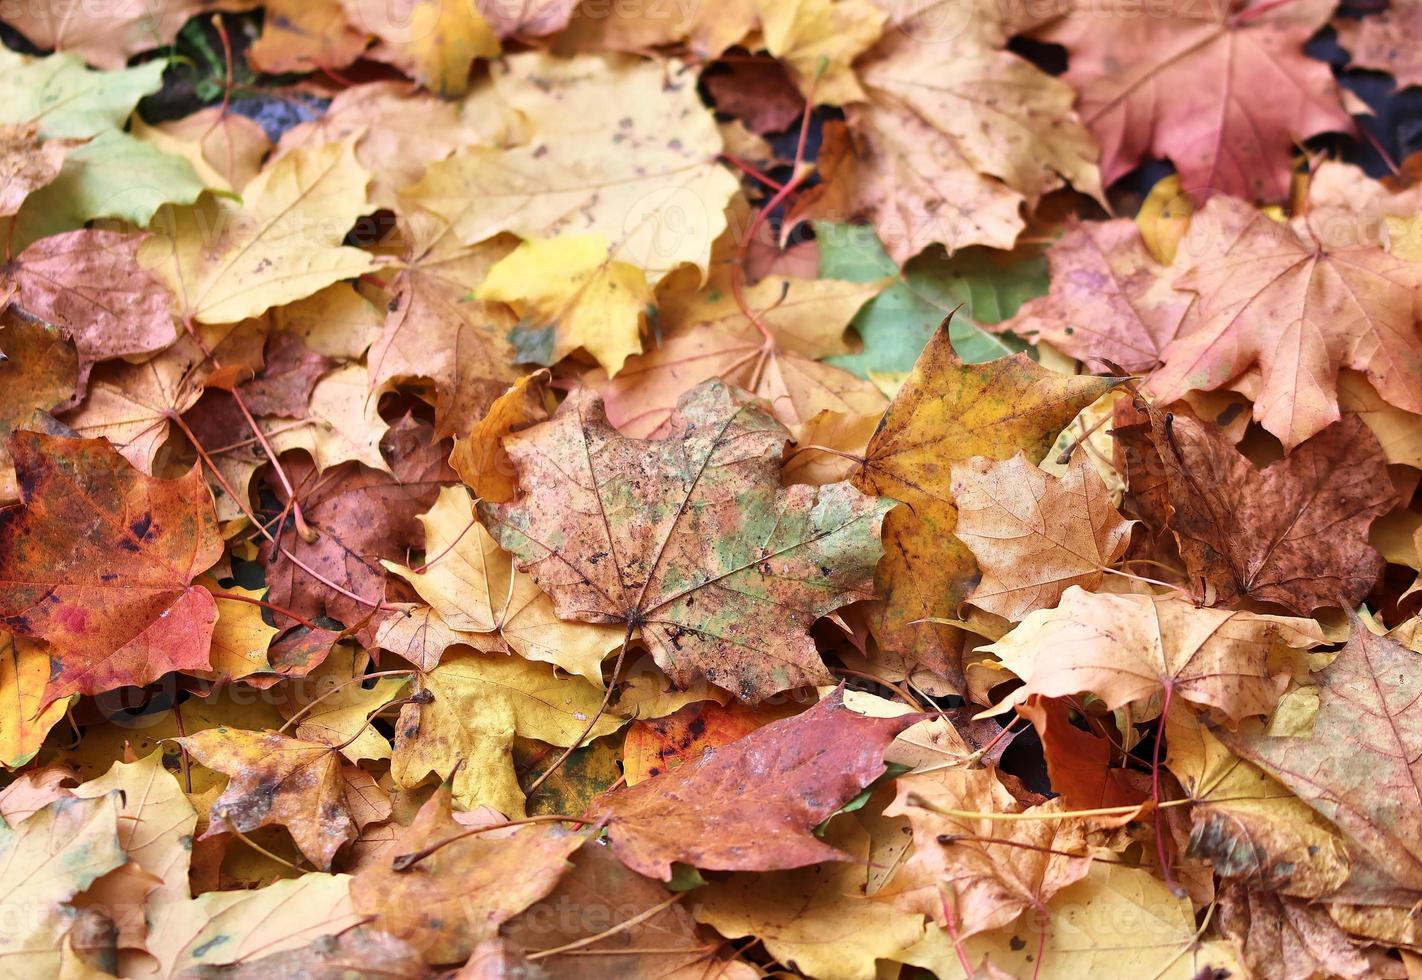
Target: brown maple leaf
1294, 533
89, 284
1299, 306
1362, 765
1388, 40
993, 881
37, 374
750, 805
98, 561
360, 516
1126, 648
459, 893
1034, 535
1182, 81
27, 163
689, 539
306, 787
1110, 303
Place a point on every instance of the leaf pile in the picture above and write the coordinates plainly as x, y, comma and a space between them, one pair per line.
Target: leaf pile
846, 488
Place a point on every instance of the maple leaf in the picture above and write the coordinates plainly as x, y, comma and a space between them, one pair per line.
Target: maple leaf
434, 329
662, 744
305, 35
1359, 767
38, 373
592, 301
222, 927
1288, 936
89, 284
360, 951
661, 942
481, 701
949, 410
689, 540
1177, 84
1079, 761
224, 261
27, 163
24, 675
1084, 935
991, 883
1387, 41
460, 893
360, 515
1126, 648
433, 41
69, 100
1246, 823
615, 147
224, 149
954, 138
155, 821
475, 589
817, 919
750, 805
108, 590
708, 335
49, 858
1299, 307
1111, 301
306, 787
817, 40
105, 35
1294, 533
479, 457
343, 423
644, 24
1034, 535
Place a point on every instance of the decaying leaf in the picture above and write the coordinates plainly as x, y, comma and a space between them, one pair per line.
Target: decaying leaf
688, 540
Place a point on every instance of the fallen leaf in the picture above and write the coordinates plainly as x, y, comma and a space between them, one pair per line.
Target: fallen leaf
27, 163
688, 540
1301, 308
1112, 302
990, 882
1288, 937
954, 137
224, 262
604, 157
1386, 40
664, 744
463, 891
1358, 767
479, 702
1177, 84
305, 35
225, 149
220, 928
818, 40
750, 806
89, 284
359, 951
273, 779
818, 919
707, 335
1247, 824
435, 329
155, 821
948, 410
38, 373
24, 674
48, 859
435, 42
111, 594
69, 100
475, 588
1132, 648
105, 35
1033, 535
571, 285
1079, 761
480, 457
1264, 534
